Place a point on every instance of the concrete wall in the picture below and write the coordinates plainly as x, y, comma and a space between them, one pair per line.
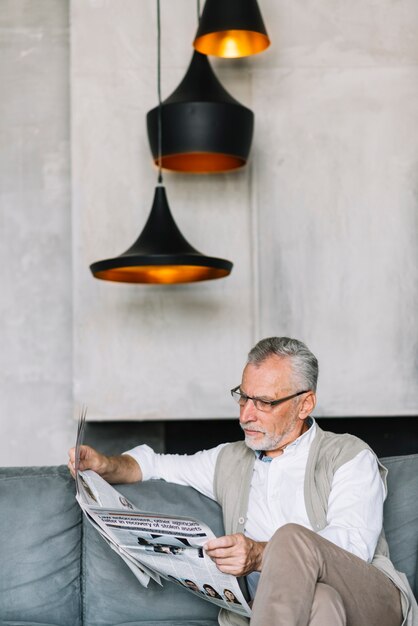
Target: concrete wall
35, 233
321, 226
150, 352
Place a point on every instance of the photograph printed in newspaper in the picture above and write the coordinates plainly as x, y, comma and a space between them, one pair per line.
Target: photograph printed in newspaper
154, 545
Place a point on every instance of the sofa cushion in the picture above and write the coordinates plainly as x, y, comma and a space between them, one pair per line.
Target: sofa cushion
112, 594
40, 546
401, 514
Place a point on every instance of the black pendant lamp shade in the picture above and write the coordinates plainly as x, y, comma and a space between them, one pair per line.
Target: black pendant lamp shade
203, 128
161, 254
231, 28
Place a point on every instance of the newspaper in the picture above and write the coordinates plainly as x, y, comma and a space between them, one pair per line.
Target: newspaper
155, 546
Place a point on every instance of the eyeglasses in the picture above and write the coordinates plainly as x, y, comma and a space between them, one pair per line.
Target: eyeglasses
261, 405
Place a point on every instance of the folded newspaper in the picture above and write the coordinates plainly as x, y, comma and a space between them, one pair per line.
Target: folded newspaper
155, 546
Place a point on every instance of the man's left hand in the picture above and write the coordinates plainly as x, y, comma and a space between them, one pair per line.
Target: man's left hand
236, 554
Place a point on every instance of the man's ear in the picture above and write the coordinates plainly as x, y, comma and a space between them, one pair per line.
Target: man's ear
307, 405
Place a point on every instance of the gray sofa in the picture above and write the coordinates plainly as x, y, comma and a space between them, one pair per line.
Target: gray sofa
55, 570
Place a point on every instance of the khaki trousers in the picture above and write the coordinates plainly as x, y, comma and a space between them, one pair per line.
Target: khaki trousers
307, 580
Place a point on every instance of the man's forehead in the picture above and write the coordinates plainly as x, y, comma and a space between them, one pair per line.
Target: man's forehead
272, 371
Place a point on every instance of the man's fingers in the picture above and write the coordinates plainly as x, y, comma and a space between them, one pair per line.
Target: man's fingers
83, 462
71, 468
235, 554
86, 452
229, 569
89, 458
228, 541
219, 553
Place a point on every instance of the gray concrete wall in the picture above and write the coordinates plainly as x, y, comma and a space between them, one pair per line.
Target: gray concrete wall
35, 233
322, 226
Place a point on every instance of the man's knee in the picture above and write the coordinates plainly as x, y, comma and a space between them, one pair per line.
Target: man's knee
289, 532
291, 541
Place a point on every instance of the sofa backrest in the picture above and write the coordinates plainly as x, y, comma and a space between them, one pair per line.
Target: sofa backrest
40, 546
401, 515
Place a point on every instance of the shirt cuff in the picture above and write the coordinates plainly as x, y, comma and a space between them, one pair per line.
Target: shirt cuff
145, 457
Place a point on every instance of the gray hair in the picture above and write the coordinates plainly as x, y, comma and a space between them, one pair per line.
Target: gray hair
304, 363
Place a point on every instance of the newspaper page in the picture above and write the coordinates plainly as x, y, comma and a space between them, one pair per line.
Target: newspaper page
154, 545
99, 492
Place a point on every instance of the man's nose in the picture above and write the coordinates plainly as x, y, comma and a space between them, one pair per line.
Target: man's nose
248, 412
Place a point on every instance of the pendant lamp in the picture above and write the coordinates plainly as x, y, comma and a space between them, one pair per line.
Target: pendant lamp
161, 255
204, 129
231, 28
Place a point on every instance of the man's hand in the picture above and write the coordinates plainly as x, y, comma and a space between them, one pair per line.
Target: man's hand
236, 554
114, 469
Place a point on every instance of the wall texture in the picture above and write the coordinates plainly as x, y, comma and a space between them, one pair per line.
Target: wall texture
321, 227
150, 352
35, 233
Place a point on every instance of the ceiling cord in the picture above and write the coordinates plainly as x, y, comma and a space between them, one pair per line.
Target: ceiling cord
160, 121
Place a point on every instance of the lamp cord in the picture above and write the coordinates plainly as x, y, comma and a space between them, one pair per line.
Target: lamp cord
160, 108
160, 120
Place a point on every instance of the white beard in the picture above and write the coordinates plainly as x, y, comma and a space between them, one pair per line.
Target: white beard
268, 442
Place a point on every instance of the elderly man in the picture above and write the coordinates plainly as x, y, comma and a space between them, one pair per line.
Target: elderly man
302, 508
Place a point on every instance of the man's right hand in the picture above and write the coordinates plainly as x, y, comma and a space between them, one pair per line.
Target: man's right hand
114, 469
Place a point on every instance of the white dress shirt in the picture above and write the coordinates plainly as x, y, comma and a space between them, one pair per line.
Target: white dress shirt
355, 506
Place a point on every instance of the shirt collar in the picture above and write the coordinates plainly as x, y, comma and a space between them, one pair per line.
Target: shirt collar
306, 437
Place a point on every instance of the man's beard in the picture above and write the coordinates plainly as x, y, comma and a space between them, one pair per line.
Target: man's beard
268, 441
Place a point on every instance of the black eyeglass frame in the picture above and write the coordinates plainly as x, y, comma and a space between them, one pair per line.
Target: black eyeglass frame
238, 395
